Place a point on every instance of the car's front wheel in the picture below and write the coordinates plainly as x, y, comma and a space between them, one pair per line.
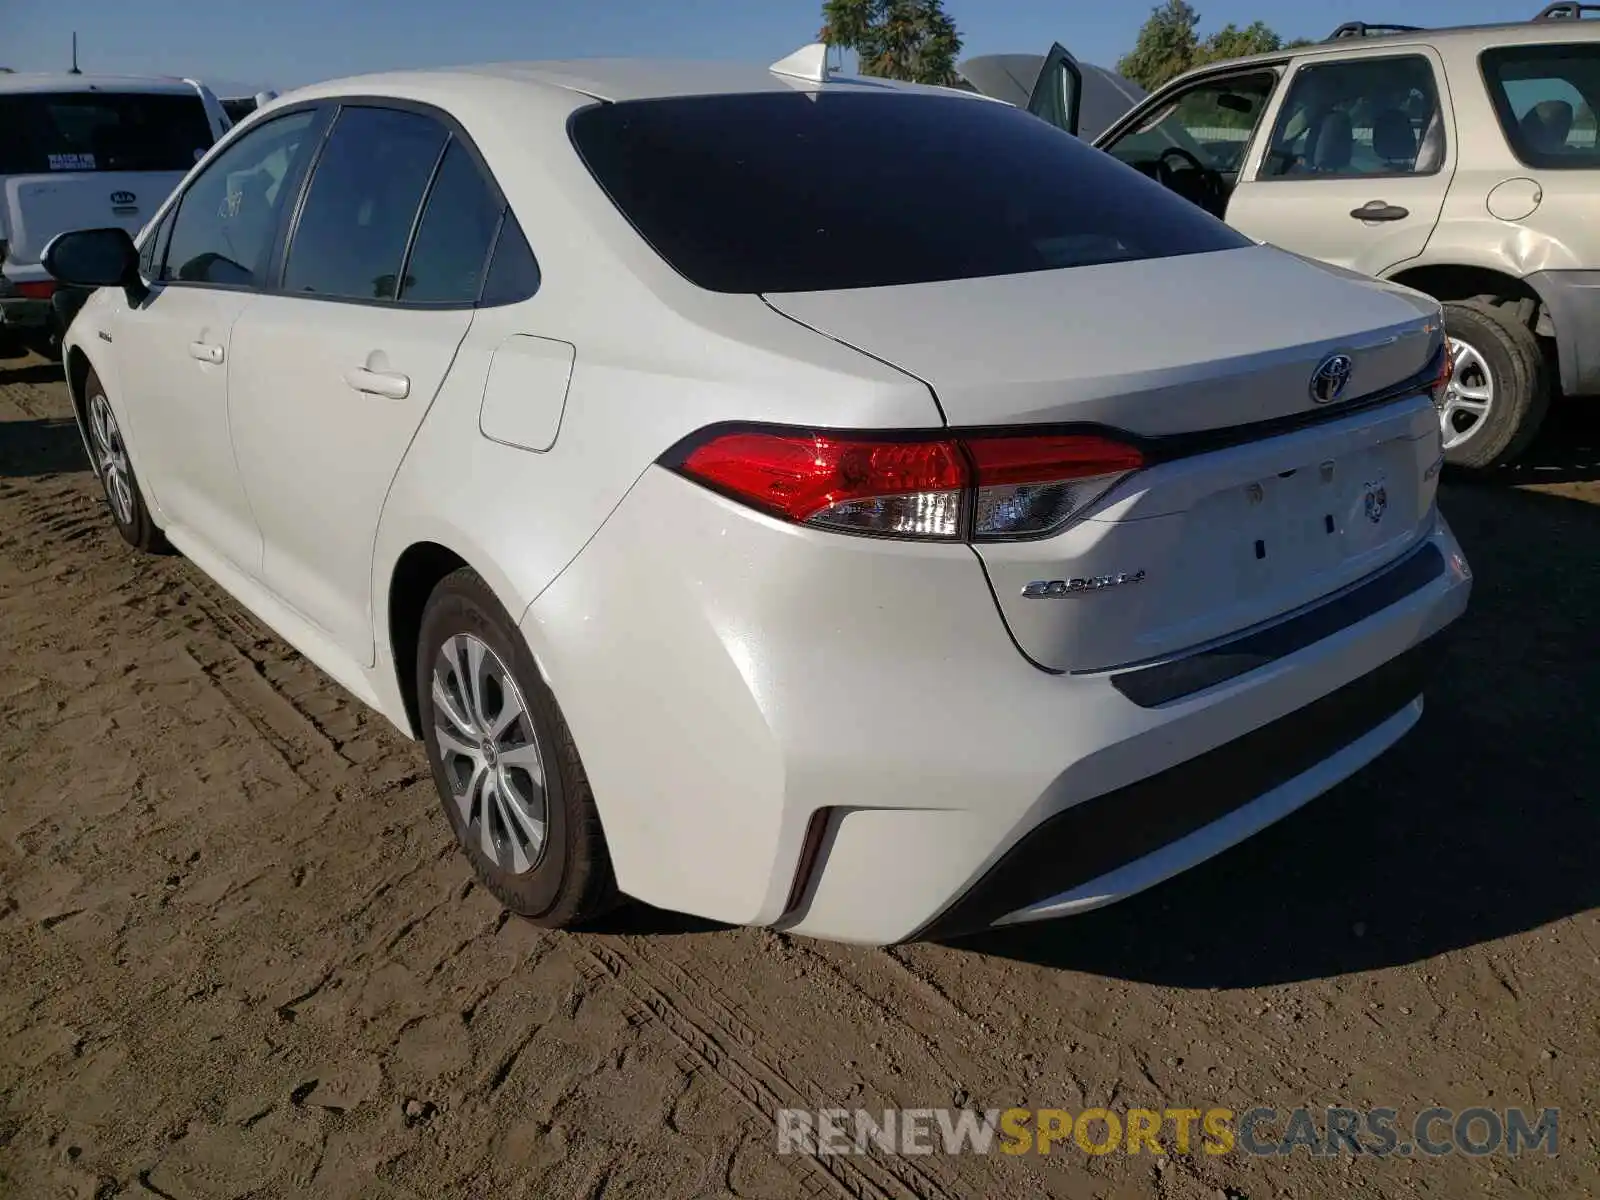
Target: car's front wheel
1498, 395
507, 772
111, 463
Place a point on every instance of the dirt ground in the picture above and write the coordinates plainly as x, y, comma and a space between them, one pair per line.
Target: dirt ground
241, 957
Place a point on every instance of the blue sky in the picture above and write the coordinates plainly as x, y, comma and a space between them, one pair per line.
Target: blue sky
284, 43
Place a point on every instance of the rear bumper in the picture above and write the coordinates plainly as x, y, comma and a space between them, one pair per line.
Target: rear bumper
727, 678
1573, 300
24, 312
1122, 842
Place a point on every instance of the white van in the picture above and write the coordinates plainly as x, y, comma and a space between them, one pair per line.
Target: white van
82, 152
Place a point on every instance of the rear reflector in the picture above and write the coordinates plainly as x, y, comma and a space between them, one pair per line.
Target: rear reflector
40, 290
1445, 373
978, 486
810, 852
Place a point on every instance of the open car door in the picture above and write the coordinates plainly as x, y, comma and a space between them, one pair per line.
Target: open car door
1057, 94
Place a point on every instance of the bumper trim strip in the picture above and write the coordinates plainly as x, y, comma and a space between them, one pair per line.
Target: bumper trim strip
1162, 683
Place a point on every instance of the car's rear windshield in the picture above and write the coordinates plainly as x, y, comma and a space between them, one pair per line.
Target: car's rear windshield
1545, 97
43, 132
795, 192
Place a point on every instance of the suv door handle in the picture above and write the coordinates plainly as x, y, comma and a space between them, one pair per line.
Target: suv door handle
205, 352
1379, 210
379, 383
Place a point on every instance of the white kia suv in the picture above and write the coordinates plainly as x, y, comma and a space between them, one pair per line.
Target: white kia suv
82, 151
853, 508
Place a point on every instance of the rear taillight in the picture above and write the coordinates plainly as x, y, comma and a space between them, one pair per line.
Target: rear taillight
986, 487
1032, 486
41, 290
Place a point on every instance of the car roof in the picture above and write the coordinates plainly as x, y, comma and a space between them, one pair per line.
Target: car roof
1463, 37
612, 79
65, 81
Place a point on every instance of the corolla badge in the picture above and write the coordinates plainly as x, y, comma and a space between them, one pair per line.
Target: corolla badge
1330, 378
1376, 501
1053, 589
123, 197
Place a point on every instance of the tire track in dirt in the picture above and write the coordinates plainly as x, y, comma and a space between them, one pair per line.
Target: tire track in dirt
714, 1037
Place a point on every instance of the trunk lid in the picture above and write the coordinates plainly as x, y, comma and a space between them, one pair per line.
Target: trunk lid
40, 206
1163, 346
1226, 538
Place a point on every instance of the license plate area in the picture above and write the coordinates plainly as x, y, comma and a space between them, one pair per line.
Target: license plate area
1286, 537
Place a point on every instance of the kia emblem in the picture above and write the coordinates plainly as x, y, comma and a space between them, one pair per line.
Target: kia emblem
120, 198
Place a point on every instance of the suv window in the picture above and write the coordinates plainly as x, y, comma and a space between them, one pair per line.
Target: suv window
228, 216
362, 202
1359, 118
101, 131
1212, 123
456, 233
792, 192
1545, 97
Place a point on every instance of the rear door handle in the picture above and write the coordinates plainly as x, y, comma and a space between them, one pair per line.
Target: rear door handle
379, 383
205, 352
1379, 210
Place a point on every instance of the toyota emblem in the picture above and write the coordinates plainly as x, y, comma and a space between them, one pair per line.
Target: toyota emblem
1330, 378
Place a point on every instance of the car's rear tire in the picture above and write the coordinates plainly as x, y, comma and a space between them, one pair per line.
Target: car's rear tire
1500, 394
124, 497
508, 774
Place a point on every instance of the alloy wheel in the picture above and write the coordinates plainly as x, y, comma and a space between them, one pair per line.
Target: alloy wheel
1469, 396
111, 459
491, 754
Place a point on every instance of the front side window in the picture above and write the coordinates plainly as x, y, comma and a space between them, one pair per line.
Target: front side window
42, 133
228, 217
1545, 98
152, 253
1208, 127
1363, 117
797, 191
362, 201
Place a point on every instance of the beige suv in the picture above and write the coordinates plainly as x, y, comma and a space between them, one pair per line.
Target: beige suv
1463, 162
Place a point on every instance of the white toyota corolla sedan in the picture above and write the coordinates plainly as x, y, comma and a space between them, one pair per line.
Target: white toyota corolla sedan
847, 507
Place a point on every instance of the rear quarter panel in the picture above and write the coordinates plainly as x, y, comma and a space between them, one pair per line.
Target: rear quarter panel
655, 360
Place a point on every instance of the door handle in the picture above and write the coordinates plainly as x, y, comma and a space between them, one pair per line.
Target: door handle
379, 383
205, 352
1379, 210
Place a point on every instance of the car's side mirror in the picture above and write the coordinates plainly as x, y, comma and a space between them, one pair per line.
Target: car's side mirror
95, 258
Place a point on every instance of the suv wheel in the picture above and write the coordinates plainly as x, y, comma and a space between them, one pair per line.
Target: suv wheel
1497, 400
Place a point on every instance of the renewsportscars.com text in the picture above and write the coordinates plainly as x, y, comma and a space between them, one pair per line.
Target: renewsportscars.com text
1262, 1132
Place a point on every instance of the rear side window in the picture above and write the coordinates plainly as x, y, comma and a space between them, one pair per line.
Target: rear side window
362, 202
514, 273
794, 192
457, 231
41, 133
1545, 98
1371, 117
